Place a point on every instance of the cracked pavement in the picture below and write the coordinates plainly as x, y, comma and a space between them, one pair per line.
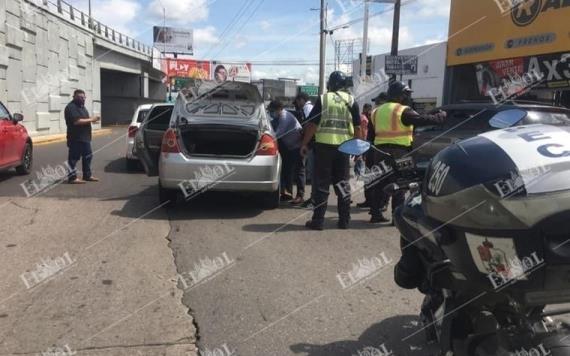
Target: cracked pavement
273, 291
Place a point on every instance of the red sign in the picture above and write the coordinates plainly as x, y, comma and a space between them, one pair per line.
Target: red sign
186, 68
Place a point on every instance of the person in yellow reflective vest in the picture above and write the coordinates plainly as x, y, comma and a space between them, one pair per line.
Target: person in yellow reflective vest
394, 124
335, 118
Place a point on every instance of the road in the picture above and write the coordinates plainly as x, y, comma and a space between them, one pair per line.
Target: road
242, 279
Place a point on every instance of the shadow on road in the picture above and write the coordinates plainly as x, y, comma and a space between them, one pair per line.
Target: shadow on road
120, 166
388, 333
304, 215
8, 174
207, 206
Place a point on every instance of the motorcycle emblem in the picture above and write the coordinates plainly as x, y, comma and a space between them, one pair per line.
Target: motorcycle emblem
525, 12
494, 259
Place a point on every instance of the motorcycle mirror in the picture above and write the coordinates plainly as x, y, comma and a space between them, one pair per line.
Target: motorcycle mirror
507, 118
354, 147
391, 188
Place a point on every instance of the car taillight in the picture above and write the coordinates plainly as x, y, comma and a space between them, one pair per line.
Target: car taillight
267, 146
170, 142
133, 131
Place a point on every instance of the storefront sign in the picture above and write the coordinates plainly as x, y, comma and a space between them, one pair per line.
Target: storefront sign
552, 69
487, 30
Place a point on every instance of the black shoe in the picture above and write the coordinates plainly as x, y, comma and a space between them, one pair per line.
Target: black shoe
363, 205
308, 204
378, 219
343, 224
313, 225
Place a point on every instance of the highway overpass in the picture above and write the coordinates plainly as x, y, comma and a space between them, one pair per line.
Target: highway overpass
48, 49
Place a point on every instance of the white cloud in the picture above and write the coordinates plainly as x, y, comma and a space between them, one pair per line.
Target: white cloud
117, 14
265, 25
206, 36
432, 8
180, 11
240, 42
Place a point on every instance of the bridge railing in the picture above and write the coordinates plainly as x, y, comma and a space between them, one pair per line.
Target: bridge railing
79, 18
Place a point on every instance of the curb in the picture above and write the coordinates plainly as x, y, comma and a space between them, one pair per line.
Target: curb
44, 140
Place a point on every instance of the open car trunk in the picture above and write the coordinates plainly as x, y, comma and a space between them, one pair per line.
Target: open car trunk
219, 140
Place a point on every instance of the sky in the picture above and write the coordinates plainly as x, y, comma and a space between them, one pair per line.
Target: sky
274, 30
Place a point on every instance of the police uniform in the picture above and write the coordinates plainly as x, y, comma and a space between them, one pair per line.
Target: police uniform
394, 133
394, 137
337, 116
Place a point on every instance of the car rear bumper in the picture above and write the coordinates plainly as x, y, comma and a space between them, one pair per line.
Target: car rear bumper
131, 154
256, 174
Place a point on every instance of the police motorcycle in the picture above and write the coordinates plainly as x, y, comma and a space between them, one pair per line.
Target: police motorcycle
485, 235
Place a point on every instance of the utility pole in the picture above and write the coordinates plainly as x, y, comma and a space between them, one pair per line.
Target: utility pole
322, 60
395, 32
363, 60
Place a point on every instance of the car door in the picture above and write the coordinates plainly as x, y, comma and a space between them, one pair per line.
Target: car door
6, 137
148, 139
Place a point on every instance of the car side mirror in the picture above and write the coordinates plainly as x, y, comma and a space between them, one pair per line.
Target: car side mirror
17, 117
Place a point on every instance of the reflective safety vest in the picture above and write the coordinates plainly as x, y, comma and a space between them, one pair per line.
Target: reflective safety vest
336, 125
389, 128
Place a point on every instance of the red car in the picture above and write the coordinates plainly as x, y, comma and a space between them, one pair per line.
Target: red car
15, 143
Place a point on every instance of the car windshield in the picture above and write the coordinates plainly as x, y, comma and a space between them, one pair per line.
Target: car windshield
548, 117
141, 116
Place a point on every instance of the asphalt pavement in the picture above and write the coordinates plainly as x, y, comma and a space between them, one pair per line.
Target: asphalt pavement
217, 271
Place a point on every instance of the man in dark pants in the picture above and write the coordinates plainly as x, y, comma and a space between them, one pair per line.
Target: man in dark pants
394, 124
335, 119
79, 138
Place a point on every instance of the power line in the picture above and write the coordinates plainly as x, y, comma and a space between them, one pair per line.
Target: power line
229, 27
240, 28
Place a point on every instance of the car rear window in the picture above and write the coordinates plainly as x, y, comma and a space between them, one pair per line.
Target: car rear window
548, 117
141, 116
159, 118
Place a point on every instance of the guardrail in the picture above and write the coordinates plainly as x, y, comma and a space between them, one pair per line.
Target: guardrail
79, 18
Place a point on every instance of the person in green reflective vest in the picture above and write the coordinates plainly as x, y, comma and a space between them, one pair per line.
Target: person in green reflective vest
394, 124
335, 118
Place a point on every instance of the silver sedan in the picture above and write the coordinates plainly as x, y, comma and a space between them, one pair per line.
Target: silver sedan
216, 137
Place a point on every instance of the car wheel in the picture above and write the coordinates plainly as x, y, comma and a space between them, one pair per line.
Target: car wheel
271, 200
132, 165
27, 157
167, 197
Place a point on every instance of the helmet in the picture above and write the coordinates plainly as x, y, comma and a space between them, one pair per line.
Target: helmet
397, 89
337, 81
508, 177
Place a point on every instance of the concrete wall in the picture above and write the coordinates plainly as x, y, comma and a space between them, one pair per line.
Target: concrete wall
42, 60
427, 84
47, 52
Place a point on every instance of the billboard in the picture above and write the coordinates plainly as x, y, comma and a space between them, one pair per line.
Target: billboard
238, 72
549, 71
173, 40
486, 30
186, 68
